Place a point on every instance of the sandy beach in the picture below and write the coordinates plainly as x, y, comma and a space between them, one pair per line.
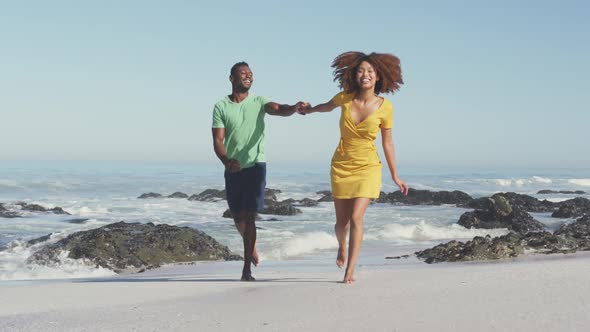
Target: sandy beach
534, 293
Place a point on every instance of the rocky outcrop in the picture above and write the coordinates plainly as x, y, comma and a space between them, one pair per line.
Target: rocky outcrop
570, 192
480, 248
306, 202
578, 231
573, 208
209, 195
498, 212
126, 247
567, 239
7, 212
527, 203
327, 196
149, 195
279, 208
425, 197
177, 194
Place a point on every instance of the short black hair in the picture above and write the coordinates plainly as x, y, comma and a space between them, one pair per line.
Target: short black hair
236, 66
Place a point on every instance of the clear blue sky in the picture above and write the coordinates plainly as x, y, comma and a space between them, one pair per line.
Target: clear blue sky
487, 83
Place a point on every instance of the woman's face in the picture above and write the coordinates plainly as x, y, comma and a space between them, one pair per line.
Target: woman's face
366, 76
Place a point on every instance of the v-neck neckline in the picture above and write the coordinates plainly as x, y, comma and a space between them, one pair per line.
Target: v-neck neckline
368, 116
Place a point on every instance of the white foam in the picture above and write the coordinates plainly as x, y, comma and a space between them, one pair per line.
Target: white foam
304, 244
580, 182
14, 267
543, 180
426, 232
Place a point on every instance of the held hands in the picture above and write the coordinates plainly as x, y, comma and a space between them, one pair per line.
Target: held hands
302, 107
232, 166
403, 187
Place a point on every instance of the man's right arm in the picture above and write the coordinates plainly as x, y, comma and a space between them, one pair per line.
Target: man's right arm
231, 165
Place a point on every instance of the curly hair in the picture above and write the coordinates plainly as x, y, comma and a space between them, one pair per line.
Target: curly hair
386, 65
235, 67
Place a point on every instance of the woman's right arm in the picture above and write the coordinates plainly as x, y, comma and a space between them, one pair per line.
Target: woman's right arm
325, 107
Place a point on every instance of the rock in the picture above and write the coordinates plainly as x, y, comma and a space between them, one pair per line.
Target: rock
271, 193
40, 239
579, 231
5, 213
306, 202
327, 196
425, 197
573, 208
125, 247
178, 194
39, 208
77, 220
279, 208
480, 248
209, 195
150, 195
499, 213
570, 192
527, 203
548, 243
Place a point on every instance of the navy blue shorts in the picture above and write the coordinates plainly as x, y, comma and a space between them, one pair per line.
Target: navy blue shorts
245, 189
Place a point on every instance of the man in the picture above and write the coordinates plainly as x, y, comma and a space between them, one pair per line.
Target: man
238, 141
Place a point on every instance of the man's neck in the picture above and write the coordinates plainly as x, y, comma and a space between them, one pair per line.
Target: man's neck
237, 96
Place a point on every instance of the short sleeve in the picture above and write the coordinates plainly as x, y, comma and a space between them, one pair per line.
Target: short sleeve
338, 99
387, 120
217, 118
263, 100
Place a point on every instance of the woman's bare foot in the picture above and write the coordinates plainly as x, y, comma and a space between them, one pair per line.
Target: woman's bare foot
348, 279
341, 259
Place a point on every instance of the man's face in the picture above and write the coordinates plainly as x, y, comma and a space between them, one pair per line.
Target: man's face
242, 78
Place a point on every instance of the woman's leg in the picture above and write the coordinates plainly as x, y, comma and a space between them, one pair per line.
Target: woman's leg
343, 214
359, 206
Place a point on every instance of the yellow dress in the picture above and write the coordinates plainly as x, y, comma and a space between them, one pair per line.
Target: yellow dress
356, 168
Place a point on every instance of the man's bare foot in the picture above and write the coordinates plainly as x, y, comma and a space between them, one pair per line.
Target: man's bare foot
255, 259
247, 277
341, 259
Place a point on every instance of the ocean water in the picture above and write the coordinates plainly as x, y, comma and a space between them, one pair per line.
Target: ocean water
105, 193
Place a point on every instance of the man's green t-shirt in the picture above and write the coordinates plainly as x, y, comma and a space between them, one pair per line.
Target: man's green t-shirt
244, 128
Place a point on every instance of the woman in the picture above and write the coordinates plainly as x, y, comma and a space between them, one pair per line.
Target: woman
356, 169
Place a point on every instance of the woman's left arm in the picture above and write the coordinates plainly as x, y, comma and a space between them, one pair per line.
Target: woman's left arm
389, 151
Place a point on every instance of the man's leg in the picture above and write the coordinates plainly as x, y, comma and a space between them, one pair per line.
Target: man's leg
248, 219
241, 226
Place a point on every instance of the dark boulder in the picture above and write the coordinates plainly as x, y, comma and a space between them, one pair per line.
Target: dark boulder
578, 231
271, 193
125, 247
77, 220
279, 208
38, 208
6, 213
306, 202
573, 208
178, 194
570, 192
327, 196
480, 248
209, 195
527, 203
149, 195
426, 197
497, 212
